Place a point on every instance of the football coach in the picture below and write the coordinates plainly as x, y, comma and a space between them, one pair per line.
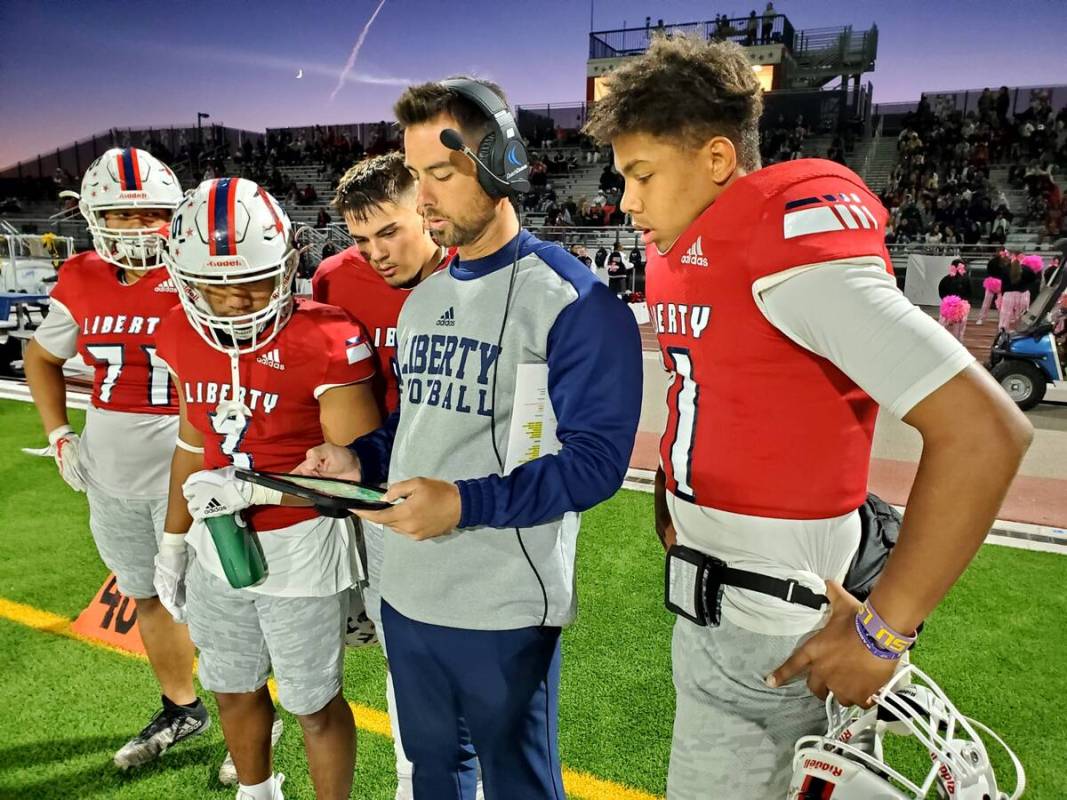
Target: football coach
478, 575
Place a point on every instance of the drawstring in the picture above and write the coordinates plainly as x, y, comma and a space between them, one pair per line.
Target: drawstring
234, 408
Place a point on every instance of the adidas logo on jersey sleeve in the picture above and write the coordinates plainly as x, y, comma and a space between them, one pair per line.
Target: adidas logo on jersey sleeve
448, 318
828, 212
272, 359
694, 256
167, 285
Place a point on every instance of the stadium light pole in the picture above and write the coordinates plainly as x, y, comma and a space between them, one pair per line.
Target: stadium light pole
200, 115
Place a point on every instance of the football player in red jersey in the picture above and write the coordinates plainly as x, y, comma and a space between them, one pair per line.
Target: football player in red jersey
260, 379
773, 299
107, 306
392, 254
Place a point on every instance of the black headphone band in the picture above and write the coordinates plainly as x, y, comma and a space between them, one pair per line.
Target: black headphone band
488, 101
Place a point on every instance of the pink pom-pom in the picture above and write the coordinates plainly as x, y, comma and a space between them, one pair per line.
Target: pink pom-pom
1033, 263
993, 285
955, 309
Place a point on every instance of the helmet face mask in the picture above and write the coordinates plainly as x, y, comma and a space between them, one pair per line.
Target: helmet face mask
851, 762
128, 179
229, 238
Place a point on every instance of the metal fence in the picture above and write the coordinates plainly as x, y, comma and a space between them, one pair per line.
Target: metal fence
75, 158
631, 41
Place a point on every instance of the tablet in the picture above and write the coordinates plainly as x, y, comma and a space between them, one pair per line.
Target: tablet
333, 497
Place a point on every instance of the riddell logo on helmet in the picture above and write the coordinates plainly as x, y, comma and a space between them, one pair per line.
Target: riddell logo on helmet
225, 262
133, 195
948, 780
823, 766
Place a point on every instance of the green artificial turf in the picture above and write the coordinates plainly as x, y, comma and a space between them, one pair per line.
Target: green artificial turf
995, 645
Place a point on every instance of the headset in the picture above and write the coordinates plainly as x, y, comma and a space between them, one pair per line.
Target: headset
503, 172
503, 164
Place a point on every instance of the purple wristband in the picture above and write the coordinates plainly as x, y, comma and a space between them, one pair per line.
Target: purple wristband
880, 639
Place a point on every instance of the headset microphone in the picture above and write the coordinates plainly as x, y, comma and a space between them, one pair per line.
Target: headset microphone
451, 139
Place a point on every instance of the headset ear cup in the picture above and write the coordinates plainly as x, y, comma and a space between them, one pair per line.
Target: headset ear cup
488, 155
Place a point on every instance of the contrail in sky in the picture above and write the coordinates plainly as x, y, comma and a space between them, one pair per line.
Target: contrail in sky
355, 51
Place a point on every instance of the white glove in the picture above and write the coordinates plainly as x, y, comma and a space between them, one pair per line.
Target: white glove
169, 577
66, 443
218, 492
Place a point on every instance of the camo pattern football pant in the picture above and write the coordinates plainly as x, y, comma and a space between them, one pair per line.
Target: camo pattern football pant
127, 535
733, 735
243, 636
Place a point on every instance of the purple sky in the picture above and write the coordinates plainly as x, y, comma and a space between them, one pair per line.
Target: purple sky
70, 69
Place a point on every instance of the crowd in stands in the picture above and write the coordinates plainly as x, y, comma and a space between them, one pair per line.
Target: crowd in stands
330, 150
940, 192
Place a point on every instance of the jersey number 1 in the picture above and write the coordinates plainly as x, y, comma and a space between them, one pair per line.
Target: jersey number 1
682, 405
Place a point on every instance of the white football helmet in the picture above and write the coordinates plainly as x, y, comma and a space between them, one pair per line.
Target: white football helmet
231, 231
848, 762
125, 178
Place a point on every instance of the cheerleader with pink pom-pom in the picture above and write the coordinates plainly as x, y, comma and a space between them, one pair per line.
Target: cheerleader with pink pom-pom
993, 284
955, 292
954, 311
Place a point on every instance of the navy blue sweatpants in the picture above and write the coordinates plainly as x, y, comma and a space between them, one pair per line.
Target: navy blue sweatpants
460, 692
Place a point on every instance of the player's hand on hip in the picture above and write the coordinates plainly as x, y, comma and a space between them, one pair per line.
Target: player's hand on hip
66, 445
218, 492
330, 461
835, 658
169, 576
431, 508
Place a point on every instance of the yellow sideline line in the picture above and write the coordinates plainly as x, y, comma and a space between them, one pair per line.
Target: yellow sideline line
578, 784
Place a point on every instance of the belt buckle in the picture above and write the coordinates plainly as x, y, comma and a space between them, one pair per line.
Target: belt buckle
791, 584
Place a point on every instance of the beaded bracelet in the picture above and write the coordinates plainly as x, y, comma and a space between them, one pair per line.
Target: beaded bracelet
878, 637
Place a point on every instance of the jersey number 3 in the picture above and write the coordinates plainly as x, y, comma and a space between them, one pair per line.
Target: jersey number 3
232, 427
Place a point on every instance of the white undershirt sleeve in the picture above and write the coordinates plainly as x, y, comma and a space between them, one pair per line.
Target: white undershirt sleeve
58, 332
853, 315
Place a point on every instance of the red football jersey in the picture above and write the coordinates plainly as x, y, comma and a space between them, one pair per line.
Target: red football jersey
347, 280
757, 424
117, 327
319, 348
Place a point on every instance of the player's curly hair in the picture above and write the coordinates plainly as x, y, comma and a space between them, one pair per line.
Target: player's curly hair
425, 101
369, 184
684, 89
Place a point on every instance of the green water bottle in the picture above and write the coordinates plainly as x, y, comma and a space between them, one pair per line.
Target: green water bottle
238, 549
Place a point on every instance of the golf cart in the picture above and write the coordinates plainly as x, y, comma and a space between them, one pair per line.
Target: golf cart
1030, 362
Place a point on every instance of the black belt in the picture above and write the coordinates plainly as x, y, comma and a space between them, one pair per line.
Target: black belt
694, 583
784, 589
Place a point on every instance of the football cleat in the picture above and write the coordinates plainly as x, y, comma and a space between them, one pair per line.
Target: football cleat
228, 772
169, 726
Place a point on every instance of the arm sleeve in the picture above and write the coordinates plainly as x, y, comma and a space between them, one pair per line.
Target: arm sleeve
375, 449
854, 316
58, 333
595, 384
